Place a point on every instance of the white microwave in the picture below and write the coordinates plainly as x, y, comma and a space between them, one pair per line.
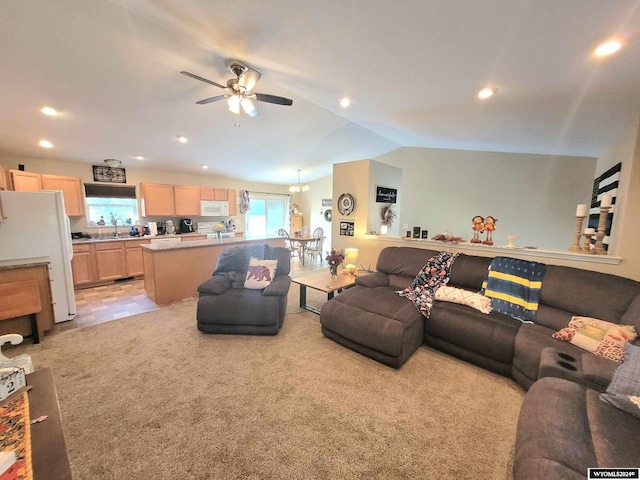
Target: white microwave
214, 208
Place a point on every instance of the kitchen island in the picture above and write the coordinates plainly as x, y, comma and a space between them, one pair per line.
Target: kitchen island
173, 270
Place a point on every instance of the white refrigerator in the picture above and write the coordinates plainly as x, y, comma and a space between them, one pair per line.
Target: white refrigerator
36, 225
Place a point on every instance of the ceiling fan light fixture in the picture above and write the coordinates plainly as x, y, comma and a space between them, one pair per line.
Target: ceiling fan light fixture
607, 48
487, 92
247, 106
299, 187
234, 103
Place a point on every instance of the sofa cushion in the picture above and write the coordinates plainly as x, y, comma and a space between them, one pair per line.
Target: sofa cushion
464, 297
587, 293
469, 271
624, 390
605, 339
403, 262
564, 429
491, 335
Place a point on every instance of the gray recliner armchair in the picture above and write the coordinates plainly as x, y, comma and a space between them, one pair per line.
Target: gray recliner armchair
225, 306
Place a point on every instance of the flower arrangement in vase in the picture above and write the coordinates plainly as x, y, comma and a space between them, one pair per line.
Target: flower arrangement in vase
387, 214
334, 259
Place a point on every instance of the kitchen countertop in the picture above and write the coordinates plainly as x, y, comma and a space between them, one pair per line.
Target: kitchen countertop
23, 262
205, 243
127, 238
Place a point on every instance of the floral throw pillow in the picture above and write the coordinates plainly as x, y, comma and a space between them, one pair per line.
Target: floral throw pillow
260, 273
464, 297
624, 390
605, 339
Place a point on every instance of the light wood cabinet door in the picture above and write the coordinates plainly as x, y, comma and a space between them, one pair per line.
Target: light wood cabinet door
206, 193
26, 181
233, 202
296, 223
110, 261
133, 258
157, 199
83, 265
219, 193
71, 188
3, 179
187, 200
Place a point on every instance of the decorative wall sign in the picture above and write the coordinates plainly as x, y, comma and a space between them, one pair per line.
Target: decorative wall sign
109, 174
346, 204
347, 229
605, 183
386, 195
327, 202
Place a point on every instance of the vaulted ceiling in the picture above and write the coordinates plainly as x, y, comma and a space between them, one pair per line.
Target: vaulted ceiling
411, 68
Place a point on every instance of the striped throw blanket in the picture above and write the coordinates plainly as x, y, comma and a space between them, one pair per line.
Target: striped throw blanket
514, 287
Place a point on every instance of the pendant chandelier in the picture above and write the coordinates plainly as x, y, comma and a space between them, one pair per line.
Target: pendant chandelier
298, 187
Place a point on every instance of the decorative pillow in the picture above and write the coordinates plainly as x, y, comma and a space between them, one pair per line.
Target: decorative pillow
605, 339
260, 273
624, 390
464, 297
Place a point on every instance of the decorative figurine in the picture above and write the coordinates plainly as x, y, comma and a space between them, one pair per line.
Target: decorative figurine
477, 225
489, 227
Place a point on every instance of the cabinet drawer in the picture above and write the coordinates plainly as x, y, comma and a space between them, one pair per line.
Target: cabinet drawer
81, 248
135, 243
117, 245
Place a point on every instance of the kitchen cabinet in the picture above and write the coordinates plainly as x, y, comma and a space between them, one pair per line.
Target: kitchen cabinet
233, 202
296, 223
71, 188
157, 199
206, 193
187, 200
133, 257
83, 265
3, 179
219, 194
110, 261
25, 181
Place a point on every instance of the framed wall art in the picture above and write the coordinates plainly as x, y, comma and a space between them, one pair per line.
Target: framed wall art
109, 174
386, 195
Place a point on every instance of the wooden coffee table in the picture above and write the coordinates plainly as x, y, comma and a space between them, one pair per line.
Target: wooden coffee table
322, 281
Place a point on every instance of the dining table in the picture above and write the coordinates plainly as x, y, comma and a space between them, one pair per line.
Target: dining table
303, 240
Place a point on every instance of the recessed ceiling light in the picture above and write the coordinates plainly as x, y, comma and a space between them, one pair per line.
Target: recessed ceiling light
52, 112
487, 92
204, 166
345, 102
45, 144
139, 157
182, 139
607, 48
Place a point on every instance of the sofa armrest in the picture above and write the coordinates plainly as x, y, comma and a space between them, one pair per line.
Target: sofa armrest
598, 371
215, 285
279, 286
371, 280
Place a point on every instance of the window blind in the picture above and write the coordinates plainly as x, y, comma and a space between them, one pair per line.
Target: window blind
109, 191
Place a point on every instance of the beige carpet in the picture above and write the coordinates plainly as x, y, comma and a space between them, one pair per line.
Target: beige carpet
150, 397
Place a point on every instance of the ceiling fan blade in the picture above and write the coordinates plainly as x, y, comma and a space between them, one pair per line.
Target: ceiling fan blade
249, 79
211, 99
263, 97
197, 77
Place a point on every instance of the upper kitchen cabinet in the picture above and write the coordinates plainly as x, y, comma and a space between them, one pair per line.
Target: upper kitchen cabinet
233, 202
71, 188
187, 200
157, 199
3, 179
25, 181
207, 193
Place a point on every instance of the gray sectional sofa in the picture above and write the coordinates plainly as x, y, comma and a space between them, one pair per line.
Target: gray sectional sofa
372, 319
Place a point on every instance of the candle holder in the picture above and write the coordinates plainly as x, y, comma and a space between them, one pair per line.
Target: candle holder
602, 222
586, 247
576, 243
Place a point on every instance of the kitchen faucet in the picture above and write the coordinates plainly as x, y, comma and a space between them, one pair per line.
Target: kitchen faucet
115, 224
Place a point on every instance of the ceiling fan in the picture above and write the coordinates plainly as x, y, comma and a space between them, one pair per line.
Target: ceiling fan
240, 90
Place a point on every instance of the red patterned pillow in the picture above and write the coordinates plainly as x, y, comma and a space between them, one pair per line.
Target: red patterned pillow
605, 339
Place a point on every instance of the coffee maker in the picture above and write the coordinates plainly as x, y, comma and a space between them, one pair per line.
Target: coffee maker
161, 228
186, 225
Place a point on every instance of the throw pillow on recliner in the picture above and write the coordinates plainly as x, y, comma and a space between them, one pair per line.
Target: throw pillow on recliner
260, 273
624, 390
605, 339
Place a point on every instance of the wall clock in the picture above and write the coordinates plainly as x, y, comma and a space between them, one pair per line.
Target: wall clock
346, 204
327, 214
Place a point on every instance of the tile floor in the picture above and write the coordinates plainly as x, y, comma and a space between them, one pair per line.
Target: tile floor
123, 299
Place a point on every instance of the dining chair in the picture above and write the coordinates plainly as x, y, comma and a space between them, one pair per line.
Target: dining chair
314, 248
288, 242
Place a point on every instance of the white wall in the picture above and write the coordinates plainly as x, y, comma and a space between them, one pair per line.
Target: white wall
381, 174
532, 196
